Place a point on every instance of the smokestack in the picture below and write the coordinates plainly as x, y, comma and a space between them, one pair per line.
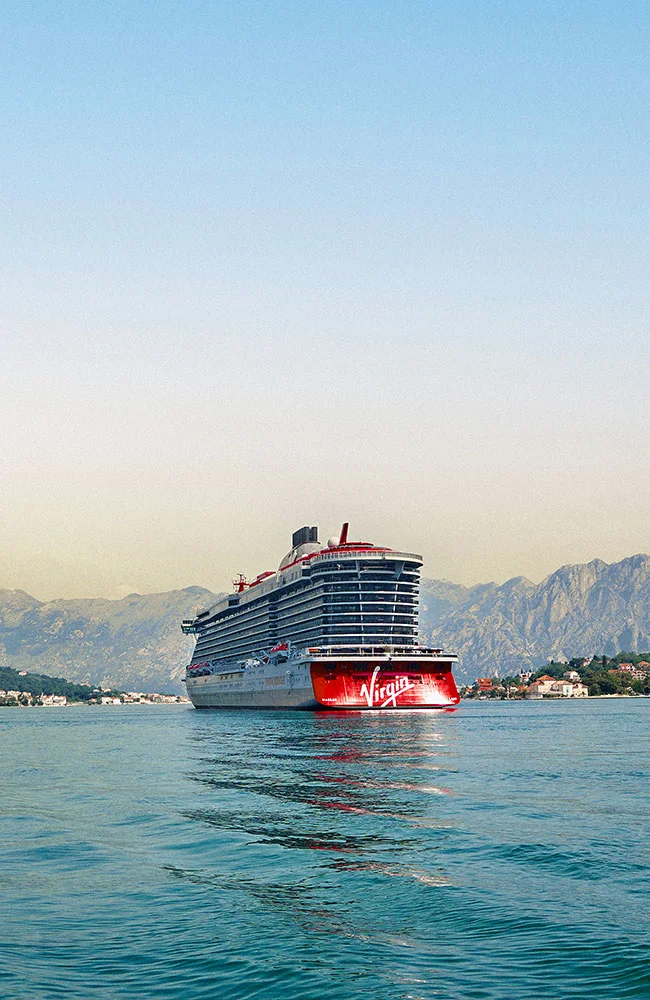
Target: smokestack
306, 534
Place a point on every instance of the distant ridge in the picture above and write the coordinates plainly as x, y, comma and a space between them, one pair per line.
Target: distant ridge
593, 607
136, 643
133, 644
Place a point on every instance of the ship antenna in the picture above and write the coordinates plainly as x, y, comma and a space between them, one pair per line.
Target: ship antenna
240, 583
344, 534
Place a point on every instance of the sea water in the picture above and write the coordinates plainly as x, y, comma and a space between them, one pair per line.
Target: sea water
498, 851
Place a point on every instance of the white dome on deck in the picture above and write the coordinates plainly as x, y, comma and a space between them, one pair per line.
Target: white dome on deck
300, 550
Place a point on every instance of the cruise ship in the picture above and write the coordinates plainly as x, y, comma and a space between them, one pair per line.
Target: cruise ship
335, 627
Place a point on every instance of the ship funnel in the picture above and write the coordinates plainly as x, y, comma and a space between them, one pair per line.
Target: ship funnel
344, 534
303, 535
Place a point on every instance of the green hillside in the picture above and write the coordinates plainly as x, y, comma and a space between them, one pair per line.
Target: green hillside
38, 684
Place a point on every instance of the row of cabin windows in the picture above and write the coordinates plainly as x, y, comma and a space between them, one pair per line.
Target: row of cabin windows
222, 645
385, 566
385, 587
253, 643
403, 591
377, 578
383, 627
260, 636
236, 623
344, 596
367, 573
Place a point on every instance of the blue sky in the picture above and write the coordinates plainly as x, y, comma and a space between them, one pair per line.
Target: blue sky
284, 263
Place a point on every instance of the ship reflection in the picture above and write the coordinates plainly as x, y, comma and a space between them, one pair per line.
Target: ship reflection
305, 814
291, 774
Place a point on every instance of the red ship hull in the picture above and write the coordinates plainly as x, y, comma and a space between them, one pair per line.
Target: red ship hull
389, 685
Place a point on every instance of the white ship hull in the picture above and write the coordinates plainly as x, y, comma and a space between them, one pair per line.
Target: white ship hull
262, 686
345, 682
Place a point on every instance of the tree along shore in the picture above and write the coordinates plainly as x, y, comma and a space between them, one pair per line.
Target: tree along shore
37, 685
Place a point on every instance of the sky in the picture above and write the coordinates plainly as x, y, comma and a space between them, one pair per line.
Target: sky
267, 264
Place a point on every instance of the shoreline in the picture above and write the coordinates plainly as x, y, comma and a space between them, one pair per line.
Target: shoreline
85, 704
588, 697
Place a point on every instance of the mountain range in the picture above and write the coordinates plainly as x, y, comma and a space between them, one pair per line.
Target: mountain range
136, 643
496, 630
132, 644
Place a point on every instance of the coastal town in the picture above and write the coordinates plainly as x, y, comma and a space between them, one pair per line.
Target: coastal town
19, 688
585, 677
26, 699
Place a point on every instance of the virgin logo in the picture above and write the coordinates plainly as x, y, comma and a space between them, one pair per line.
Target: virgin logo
382, 695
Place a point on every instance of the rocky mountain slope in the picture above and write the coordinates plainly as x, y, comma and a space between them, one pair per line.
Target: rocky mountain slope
591, 608
132, 644
136, 643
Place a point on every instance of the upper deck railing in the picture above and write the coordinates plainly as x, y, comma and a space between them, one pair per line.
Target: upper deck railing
382, 651
390, 555
372, 651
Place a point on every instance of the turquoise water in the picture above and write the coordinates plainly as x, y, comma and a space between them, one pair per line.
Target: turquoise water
499, 851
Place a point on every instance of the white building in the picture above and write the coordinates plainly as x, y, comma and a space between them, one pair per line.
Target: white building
549, 687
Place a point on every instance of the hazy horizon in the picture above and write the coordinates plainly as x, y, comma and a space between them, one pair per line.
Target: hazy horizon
123, 590
276, 264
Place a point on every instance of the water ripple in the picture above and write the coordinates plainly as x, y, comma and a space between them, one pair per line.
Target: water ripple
497, 853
